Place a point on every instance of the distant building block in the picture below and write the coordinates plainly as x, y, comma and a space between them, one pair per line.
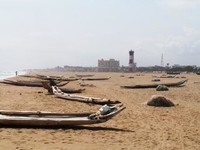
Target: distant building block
111, 65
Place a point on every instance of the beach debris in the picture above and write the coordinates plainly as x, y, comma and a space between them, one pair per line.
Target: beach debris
159, 101
104, 110
183, 77
162, 87
139, 75
131, 77
155, 80
196, 82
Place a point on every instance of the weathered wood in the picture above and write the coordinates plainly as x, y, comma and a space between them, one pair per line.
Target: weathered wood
40, 113
84, 99
43, 77
106, 78
70, 90
33, 83
47, 86
84, 75
53, 119
173, 84
23, 83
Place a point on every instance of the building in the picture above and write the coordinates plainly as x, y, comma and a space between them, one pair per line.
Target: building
132, 64
111, 65
79, 69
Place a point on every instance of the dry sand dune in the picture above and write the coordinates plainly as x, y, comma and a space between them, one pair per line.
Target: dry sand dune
138, 127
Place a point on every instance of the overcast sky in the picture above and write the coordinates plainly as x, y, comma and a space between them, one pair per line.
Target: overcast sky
49, 33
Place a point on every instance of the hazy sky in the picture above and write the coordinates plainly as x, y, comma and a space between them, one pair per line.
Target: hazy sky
49, 33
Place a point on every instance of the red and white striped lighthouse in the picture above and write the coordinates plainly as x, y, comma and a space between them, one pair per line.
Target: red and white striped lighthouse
131, 61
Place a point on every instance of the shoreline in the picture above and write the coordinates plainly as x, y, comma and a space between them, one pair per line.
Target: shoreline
11, 74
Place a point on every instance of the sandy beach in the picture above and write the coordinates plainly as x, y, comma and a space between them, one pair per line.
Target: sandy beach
138, 127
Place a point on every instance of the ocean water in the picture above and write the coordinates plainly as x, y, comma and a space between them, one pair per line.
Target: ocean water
8, 74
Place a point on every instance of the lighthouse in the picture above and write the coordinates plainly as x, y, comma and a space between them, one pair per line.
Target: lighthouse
131, 61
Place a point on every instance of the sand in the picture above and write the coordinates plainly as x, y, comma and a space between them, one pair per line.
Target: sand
138, 127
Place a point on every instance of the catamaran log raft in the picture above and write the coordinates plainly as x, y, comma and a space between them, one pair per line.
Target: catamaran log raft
47, 86
53, 119
84, 75
62, 78
173, 84
36, 83
84, 99
105, 78
44, 77
71, 90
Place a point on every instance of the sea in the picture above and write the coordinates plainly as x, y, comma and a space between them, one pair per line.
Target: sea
9, 74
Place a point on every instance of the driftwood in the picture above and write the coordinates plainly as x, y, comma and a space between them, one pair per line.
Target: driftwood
173, 84
84, 99
53, 119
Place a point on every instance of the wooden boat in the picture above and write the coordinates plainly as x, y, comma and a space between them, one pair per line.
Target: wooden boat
48, 85
106, 78
23, 83
169, 76
71, 90
171, 72
53, 119
35, 83
84, 99
84, 75
173, 84
61, 78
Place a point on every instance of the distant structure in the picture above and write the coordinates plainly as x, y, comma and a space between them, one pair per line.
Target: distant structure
110, 65
77, 69
162, 61
132, 64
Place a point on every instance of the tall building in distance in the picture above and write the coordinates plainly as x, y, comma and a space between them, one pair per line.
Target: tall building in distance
132, 64
110, 65
162, 61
